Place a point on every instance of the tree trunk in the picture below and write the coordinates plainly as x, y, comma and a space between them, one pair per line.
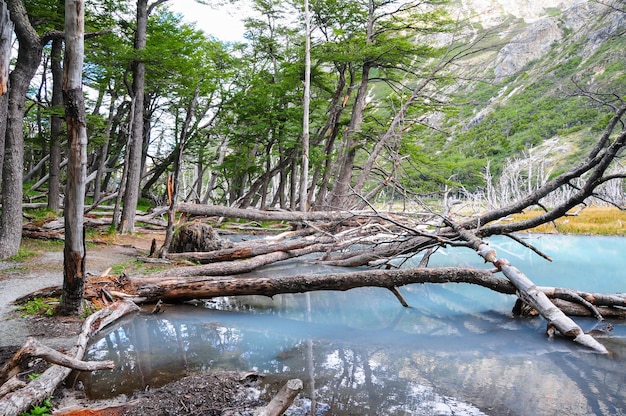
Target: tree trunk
329, 132
340, 194
28, 59
341, 197
178, 161
304, 176
151, 289
56, 126
74, 206
6, 34
135, 150
251, 214
531, 295
283, 399
104, 150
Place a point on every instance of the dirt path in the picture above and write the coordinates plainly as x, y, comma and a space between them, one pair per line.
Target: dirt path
18, 279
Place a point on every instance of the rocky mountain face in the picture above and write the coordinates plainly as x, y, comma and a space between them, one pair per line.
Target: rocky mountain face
536, 62
531, 29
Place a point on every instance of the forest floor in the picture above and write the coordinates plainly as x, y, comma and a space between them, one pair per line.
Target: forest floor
203, 394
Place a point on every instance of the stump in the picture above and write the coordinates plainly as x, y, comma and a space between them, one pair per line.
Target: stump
197, 236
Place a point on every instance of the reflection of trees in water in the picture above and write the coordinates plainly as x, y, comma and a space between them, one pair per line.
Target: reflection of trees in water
152, 352
595, 373
390, 368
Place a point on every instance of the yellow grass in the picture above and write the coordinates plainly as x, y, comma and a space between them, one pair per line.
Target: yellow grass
591, 220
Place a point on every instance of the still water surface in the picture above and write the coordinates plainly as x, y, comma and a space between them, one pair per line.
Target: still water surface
456, 351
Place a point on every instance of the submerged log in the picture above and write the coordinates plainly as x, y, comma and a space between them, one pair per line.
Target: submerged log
283, 399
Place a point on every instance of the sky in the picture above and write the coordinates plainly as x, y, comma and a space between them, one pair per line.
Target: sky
223, 22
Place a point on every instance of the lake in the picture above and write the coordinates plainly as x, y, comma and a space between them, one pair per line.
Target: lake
456, 351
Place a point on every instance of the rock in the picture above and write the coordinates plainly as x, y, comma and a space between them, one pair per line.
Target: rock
528, 46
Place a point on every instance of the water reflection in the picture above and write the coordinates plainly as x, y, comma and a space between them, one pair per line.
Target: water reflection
457, 350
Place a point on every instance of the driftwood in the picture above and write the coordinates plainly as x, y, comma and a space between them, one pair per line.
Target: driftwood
19, 401
34, 348
283, 399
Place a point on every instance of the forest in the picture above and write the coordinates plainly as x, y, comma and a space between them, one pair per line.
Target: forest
363, 126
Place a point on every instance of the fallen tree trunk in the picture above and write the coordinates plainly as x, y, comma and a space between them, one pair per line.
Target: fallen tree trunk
243, 266
258, 215
247, 250
34, 348
19, 401
283, 399
151, 289
529, 293
177, 289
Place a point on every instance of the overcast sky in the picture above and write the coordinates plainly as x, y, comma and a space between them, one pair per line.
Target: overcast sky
222, 22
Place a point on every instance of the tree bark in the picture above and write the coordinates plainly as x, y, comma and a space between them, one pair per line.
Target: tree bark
6, 34
135, 150
74, 205
151, 289
56, 126
28, 59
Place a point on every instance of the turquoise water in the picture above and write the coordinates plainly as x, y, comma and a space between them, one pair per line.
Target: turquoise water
456, 351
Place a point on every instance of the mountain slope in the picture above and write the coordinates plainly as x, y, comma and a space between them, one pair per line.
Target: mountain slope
542, 78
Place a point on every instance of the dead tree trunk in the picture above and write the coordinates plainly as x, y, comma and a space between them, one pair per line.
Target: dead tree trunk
152, 289
530, 294
74, 206
283, 399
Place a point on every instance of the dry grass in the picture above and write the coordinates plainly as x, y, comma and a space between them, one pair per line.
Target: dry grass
590, 221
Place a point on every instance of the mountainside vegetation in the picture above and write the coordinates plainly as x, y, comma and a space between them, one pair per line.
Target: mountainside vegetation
560, 97
482, 84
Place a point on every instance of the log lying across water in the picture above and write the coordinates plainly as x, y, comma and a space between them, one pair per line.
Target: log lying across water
183, 288
176, 288
529, 293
